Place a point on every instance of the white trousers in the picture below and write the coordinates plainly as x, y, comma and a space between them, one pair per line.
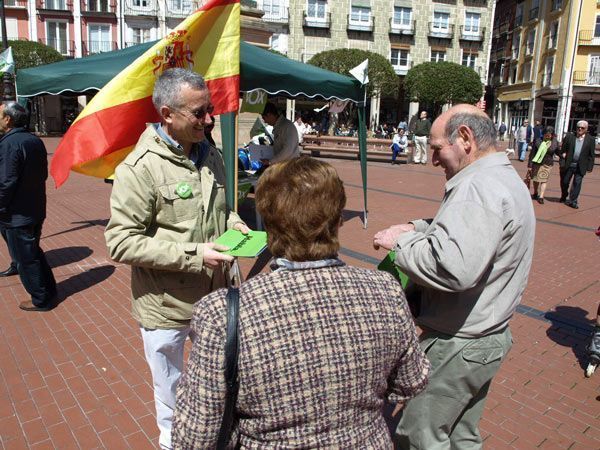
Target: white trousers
420, 150
164, 353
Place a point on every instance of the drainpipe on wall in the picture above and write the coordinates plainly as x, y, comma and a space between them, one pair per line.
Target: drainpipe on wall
489, 52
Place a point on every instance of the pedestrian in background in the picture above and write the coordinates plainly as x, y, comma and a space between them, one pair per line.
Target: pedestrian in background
502, 131
167, 207
399, 145
577, 159
422, 130
471, 262
523, 137
541, 160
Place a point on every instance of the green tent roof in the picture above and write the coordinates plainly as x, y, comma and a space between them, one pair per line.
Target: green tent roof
259, 69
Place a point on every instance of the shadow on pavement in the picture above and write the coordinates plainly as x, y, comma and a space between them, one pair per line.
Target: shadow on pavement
571, 328
85, 224
82, 281
67, 255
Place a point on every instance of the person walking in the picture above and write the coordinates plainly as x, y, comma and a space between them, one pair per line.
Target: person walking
577, 159
502, 131
167, 207
541, 160
523, 137
471, 263
23, 174
421, 131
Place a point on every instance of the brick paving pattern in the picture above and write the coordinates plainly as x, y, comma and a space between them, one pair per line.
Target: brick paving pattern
76, 377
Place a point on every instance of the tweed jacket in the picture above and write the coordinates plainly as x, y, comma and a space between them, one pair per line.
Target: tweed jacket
320, 350
161, 234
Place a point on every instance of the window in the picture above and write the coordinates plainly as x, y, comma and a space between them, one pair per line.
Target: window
140, 35
12, 28
597, 27
534, 12
438, 55
515, 46
360, 14
57, 36
556, 5
271, 7
513, 75
526, 71
399, 57
594, 75
469, 59
402, 17
553, 34
316, 9
56, 4
548, 71
519, 14
99, 39
98, 5
530, 42
472, 23
441, 21
141, 3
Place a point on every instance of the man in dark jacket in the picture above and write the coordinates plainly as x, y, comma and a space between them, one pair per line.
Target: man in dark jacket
577, 158
23, 173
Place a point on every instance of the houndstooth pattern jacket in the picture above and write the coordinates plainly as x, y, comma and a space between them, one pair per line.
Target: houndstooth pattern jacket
320, 349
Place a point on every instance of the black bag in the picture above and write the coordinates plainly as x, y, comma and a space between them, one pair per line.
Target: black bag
231, 367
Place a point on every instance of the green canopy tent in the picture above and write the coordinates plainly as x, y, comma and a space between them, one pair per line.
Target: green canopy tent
259, 69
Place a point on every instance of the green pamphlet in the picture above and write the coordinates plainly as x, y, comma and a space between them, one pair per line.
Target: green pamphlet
387, 265
243, 245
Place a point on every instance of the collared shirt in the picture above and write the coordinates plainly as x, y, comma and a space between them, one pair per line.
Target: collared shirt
473, 258
197, 153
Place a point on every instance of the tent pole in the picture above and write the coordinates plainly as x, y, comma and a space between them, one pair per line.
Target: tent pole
228, 137
362, 148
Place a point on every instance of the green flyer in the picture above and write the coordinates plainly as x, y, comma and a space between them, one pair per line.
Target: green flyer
243, 245
388, 265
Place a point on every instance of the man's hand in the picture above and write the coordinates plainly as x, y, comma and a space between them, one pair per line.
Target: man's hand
387, 238
241, 227
398, 408
212, 258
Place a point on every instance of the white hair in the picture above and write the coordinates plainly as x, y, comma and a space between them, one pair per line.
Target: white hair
582, 123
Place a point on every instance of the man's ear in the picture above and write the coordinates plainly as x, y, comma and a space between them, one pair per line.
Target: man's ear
166, 114
466, 136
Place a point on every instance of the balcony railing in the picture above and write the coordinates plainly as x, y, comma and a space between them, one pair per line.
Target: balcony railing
470, 35
181, 8
403, 70
586, 78
518, 21
55, 5
93, 47
435, 31
15, 3
281, 17
586, 37
317, 22
98, 7
397, 28
360, 25
534, 13
141, 7
62, 46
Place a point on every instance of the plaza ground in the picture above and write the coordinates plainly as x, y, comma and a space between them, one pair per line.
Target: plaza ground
76, 377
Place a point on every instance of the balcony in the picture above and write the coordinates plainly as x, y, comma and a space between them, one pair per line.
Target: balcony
181, 8
472, 35
586, 37
62, 46
518, 21
403, 70
277, 17
55, 5
440, 32
587, 78
93, 47
317, 22
18, 4
365, 26
98, 8
534, 14
403, 29
141, 8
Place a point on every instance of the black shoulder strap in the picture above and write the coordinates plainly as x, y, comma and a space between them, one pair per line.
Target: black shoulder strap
231, 367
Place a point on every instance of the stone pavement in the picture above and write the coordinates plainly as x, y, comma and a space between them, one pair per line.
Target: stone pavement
76, 377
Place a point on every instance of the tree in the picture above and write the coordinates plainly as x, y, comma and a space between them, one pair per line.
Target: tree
30, 54
438, 83
382, 77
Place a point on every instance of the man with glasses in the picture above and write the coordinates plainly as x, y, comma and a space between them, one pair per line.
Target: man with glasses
577, 159
285, 137
167, 207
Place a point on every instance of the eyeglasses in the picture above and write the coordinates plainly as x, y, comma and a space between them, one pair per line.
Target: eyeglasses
582, 128
197, 113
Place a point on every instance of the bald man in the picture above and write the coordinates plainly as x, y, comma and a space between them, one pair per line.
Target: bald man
471, 263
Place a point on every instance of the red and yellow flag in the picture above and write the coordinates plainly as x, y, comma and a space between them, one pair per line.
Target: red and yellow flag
207, 42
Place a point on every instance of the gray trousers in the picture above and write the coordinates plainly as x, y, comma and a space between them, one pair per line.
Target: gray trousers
446, 414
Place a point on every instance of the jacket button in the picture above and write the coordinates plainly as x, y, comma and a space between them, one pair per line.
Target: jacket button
187, 258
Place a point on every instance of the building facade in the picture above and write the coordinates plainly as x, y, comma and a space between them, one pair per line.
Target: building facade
406, 32
546, 62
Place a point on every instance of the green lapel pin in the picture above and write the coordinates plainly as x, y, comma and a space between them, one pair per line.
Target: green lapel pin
184, 190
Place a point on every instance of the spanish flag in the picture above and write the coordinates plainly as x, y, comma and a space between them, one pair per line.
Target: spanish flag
207, 42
